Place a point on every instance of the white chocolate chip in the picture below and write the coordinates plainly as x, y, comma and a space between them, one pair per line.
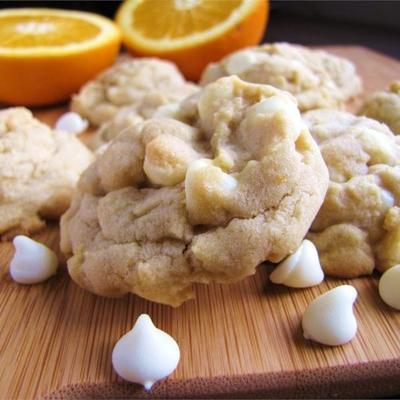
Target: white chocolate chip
240, 62
71, 122
389, 287
379, 147
224, 160
208, 190
227, 182
33, 262
387, 199
200, 164
167, 111
145, 354
166, 160
278, 104
203, 178
301, 269
329, 319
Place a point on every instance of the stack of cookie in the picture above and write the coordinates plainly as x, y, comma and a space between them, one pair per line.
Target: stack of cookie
357, 227
234, 181
204, 183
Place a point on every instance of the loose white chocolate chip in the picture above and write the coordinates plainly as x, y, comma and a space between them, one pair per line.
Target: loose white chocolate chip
389, 287
301, 269
240, 62
145, 354
33, 262
71, 122
329, 319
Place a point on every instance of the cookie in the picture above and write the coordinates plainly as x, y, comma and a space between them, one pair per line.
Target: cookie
150, 106
384, 106
39, 169
316, 78
237, 181
142, 83
357, 226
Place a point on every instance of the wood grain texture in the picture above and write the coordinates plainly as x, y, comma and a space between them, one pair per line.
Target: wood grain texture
243, 339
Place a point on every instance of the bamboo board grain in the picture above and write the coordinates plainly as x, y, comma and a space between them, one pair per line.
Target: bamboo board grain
243, 339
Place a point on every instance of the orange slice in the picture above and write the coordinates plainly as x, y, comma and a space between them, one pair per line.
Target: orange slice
191, 33
46, 54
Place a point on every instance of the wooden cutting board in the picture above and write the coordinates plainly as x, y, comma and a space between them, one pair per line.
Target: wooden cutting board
236, 341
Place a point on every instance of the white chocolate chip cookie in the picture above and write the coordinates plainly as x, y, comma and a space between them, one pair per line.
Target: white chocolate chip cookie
357, 227
316, 78
237, 181
384, 106
142, 83
39, 169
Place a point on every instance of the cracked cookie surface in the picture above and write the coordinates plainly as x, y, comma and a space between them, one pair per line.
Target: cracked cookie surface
39, 169
234, 181
143, 84
355, 229
316, 78
384, 106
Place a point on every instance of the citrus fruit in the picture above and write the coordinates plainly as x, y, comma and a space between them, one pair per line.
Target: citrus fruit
191, 33
47, 54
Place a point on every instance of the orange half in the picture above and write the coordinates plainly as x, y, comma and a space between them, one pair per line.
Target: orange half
191, 33
46, 54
